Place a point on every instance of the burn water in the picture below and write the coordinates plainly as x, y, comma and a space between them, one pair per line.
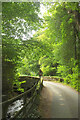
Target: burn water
13, 108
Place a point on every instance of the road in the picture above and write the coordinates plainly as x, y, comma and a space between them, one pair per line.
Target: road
58, 101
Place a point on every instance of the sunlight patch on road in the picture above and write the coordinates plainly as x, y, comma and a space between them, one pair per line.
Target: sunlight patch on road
61, 99
57, 93
62, 104
60, 95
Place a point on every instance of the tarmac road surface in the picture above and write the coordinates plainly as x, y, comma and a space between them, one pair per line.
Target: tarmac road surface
58, 101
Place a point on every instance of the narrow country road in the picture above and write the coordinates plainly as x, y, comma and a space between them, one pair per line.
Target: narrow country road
58, 101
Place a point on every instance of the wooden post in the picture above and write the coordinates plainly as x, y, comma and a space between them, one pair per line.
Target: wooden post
4, 111
24, 101
4, 107
41, 84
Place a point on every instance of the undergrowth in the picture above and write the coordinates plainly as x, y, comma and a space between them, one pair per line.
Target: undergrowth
34, 113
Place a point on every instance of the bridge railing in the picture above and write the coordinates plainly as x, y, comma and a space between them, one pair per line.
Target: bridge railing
26, 104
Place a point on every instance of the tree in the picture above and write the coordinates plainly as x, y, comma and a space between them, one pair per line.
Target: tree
54, 47
17, 20
63, 26
61, 36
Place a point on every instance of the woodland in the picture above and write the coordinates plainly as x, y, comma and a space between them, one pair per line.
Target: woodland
54, 46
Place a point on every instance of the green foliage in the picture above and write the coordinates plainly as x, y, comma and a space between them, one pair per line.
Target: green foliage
54, 47
60, 35
18, 19
18, 85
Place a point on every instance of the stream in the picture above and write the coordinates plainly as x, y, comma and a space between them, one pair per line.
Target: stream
13, 108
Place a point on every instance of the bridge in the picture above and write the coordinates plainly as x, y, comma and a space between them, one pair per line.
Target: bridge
56, 99
32, 87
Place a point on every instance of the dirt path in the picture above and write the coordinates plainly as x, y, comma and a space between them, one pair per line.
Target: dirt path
58, 101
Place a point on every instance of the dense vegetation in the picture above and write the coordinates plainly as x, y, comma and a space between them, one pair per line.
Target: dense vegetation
54, 47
